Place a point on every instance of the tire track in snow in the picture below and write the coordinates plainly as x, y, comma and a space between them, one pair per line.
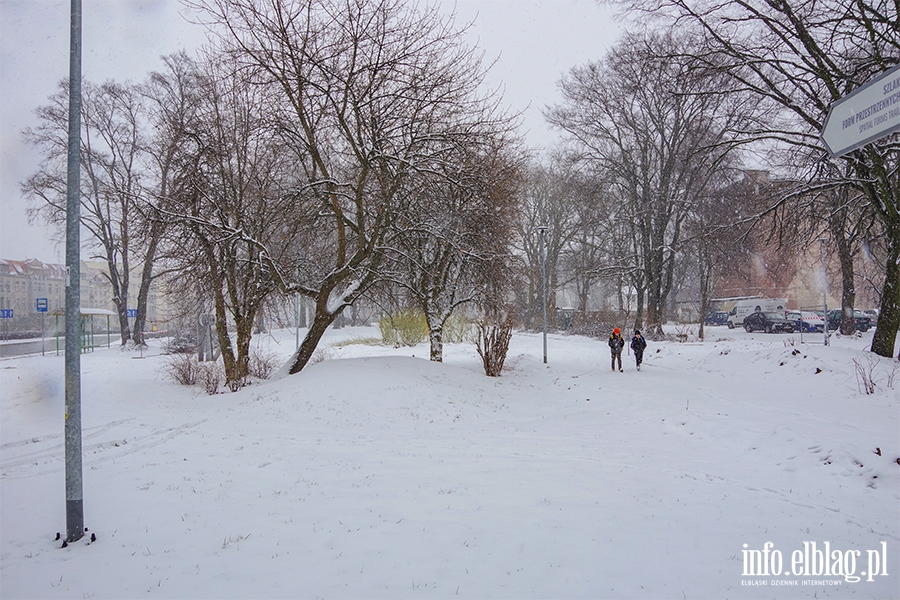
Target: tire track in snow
50, 460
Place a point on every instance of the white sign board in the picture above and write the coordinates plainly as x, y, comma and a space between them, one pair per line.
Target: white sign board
868, 113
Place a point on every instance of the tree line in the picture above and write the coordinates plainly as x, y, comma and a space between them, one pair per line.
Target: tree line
349, 151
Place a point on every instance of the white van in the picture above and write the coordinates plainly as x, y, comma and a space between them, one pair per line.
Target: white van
746, 307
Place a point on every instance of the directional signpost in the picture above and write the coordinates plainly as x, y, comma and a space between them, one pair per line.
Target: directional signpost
865, 115
41, 305
6, 313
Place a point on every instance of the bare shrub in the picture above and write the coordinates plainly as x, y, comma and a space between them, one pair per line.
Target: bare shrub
458, 329
405, 328
865, 375
892, 375
262, 365
183, 368
323, 354
360, 341
492, 343
210, 375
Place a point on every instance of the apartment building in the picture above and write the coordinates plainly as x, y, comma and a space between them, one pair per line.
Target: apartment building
23, 282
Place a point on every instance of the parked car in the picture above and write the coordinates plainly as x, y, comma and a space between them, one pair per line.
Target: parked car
742, 308
770, 322
872, 313
716, 318
863, 323
806, 321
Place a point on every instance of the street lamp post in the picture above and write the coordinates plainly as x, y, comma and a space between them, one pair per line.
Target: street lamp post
824, 290
543, 230
74, 486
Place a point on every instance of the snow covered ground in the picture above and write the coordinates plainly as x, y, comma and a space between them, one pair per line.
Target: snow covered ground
378, 474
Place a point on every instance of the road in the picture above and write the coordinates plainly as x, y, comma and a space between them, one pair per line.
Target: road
33, 346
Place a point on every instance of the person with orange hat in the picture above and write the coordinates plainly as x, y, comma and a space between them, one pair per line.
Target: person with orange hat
616, 343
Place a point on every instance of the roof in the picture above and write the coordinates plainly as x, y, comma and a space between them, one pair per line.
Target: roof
61, 312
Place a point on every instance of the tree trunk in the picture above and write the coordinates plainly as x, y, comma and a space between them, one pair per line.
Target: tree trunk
320, 323
243, 336
886, 200
120, 299
845, 257
146, 280
228, 359
889, 315
435, 340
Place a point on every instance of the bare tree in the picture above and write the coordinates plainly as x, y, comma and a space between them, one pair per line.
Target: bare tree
802, 55
716, 233
549, 221
112, 182
458, 224
660, 132
230, 198
848, 218
365, 94
173, 102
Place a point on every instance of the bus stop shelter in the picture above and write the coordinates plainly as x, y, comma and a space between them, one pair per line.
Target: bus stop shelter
89, 327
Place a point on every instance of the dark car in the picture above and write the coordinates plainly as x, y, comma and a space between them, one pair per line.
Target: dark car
716, 318
770, 322
863, 322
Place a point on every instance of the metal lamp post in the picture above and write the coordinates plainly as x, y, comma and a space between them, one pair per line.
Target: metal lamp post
824, 290
74, 487
543, 229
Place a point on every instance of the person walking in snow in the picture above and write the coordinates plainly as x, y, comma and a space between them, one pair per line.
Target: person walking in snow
616, 343
638, 343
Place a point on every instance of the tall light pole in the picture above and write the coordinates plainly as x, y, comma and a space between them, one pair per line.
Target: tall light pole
543, 229
74, 487
297, 320
824, 290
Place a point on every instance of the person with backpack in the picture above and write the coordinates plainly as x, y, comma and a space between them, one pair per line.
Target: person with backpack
616, 343
638, 344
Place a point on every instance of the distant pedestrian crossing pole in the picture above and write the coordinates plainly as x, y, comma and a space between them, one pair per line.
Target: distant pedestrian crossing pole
74, 493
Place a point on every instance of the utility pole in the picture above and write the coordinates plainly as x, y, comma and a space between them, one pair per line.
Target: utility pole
543, 229
74, 487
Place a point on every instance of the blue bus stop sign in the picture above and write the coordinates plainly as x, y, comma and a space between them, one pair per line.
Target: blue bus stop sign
40, 304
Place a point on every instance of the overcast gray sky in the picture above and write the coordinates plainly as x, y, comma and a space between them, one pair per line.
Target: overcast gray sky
534, 42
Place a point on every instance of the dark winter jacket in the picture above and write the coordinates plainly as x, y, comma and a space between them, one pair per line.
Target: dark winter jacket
638, 344
616, 343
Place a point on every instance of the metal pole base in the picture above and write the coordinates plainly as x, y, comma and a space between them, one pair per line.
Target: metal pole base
74, 520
